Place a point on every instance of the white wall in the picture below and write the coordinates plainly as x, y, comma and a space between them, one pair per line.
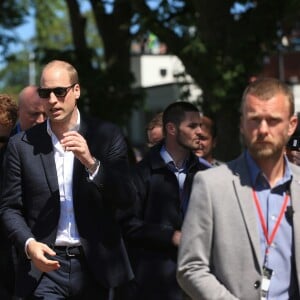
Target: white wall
153, 70
296, 90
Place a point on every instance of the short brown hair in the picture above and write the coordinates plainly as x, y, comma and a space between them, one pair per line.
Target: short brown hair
8, 111
156, 121
266, 88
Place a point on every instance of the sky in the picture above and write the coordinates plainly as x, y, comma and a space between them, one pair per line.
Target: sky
23, 33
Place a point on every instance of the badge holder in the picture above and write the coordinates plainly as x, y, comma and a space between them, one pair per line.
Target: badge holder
267, 274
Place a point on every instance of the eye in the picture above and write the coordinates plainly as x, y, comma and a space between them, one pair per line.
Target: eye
273, 121
193, 125
44, 93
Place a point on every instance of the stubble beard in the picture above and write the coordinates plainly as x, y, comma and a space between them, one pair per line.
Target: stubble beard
188, 146
266, 151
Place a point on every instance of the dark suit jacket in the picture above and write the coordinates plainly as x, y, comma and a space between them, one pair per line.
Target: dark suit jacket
30, 204
151, 223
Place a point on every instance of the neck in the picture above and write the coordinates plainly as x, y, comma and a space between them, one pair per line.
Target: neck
59, 128
178, 154
209, 158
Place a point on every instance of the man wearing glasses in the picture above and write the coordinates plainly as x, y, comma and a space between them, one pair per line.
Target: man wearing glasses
65, 180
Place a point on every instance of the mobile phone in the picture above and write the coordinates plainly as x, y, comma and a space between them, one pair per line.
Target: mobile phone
294, 143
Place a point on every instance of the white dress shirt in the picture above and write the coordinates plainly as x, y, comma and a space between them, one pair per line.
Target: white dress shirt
67, 233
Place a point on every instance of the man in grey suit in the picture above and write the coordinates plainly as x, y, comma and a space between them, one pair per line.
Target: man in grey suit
241, 234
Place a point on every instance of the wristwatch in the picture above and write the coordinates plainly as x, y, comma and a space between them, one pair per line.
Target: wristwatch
93, 167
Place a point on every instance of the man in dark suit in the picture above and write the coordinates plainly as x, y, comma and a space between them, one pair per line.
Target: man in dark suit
64, 181
153, 226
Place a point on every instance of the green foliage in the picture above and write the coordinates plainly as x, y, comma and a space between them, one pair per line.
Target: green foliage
102, 60
12, 14
53, 30
219, 49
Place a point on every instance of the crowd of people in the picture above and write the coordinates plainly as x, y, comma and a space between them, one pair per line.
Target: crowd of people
79, 220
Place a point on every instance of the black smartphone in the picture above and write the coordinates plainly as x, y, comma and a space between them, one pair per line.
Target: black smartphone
294, 143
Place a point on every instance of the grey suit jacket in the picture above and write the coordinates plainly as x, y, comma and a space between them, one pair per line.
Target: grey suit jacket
220, 255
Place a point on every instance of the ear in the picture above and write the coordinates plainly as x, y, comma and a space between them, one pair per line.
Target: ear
292, 125
77, 90
171, 128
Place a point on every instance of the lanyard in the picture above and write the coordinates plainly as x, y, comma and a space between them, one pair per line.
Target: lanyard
270, 238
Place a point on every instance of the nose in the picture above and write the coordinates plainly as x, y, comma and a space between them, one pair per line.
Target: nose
263, 128
198, 130
52, 98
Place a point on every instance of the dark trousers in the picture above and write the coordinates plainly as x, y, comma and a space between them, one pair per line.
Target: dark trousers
71, 281
6, 269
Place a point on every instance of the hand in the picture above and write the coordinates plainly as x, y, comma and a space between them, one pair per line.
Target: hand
176, 238
37, 251
75, 142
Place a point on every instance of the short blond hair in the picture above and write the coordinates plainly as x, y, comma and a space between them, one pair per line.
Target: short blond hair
73, 74
266, 88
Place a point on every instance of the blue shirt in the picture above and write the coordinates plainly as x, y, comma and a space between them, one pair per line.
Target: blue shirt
180, 174
280, 252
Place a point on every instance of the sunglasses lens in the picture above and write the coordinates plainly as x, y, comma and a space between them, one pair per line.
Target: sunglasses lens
44, 93
60, 92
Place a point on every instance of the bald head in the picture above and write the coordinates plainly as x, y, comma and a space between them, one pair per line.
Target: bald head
31, 108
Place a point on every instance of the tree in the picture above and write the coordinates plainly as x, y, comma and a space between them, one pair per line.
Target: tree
105, 75
12, 14
221, 49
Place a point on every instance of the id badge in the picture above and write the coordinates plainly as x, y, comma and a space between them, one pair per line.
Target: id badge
266, 280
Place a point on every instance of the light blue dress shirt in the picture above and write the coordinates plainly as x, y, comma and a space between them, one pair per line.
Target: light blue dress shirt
180, 174
279, 258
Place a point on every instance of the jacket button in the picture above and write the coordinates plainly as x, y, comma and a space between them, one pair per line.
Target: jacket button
257, 284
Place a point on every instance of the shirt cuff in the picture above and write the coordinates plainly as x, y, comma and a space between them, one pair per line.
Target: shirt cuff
94, 174
26, 244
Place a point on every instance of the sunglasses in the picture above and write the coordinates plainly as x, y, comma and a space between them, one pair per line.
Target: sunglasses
58, 91
4, 139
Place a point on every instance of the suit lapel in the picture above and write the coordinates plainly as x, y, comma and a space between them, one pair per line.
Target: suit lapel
242, 184
50, 170
77, 164
47, 157
40, 139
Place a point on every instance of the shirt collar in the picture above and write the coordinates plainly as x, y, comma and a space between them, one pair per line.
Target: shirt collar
167, 158
165, 155
256, 173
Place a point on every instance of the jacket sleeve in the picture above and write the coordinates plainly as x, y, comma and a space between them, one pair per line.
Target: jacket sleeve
194, 259
11, 205
113, 177
137, 231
